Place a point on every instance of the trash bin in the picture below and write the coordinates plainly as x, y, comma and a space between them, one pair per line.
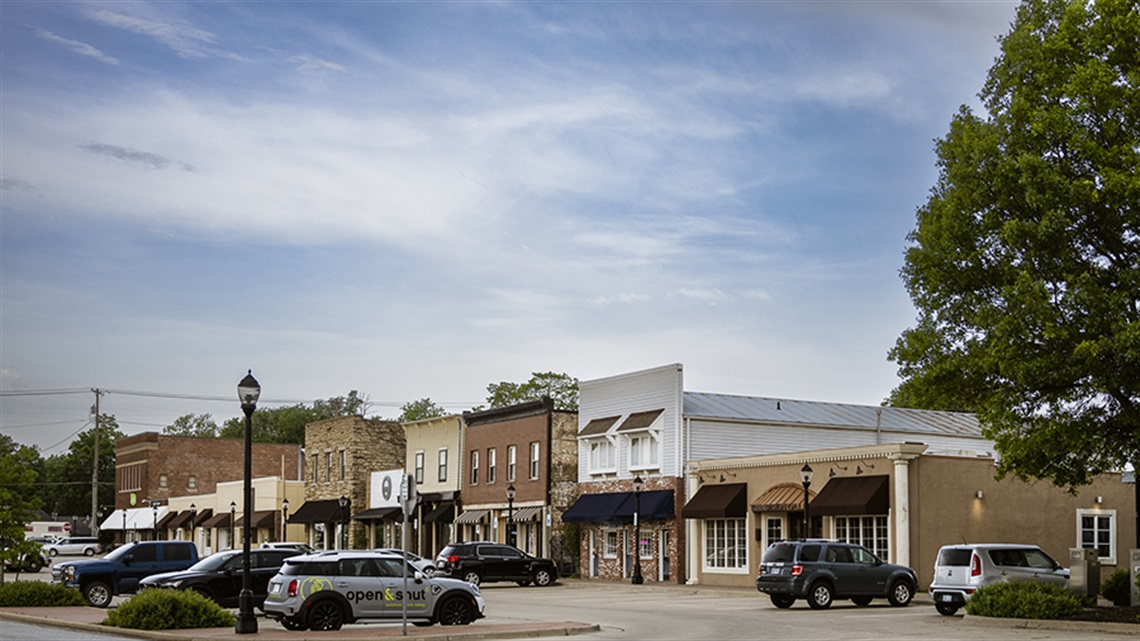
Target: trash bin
1084, 571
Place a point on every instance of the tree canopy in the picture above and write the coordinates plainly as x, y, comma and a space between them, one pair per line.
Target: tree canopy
419, 410
17, 475
200, 425
287, 424
1024, 264
562, 388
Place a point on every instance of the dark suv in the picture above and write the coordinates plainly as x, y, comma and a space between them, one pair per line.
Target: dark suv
821, 571
482, 561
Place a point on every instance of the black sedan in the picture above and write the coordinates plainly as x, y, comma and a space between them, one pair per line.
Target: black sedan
219, 576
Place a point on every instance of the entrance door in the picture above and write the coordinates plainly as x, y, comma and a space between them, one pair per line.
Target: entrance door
593, 553
663, 557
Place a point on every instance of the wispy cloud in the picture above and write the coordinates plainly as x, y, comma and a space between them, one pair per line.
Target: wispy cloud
311, 64
132, 155
81, 48
185, 40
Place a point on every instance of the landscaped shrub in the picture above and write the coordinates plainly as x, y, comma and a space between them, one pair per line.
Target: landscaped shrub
38, 594
1024, 600
163, 609
1116, 589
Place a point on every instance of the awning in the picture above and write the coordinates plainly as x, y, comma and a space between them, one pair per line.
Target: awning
472, 516
138, 518
525, 514
164, 522
180, 520
853, 495
443, 513
323, 511
379, 514
221, 519
640, 420
198, 519
718, 502
786, 497
617, 507
261, 519
598, 426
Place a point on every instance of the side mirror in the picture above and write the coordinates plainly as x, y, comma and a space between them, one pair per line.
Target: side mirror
128, 558
419, 576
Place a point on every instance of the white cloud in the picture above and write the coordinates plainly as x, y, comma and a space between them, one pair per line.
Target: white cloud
81, 48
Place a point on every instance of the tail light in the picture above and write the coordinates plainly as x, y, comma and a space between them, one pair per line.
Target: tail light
454, 558
797, 569
975, 565
293, 585
760, 570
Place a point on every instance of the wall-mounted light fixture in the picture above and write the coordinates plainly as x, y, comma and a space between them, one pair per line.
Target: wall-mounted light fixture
859, 468
834, 466
978, 494
1099, 500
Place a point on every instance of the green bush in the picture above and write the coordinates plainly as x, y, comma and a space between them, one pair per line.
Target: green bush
1116, 589
38, 594
1024, 600
164, 609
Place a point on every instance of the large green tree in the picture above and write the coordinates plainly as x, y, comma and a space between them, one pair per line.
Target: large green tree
287, 424
562, 388
17, 476
419, 410
66, 484
1024, 264
198, 425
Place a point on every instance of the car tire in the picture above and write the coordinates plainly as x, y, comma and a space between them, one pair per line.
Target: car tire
88, 551
325, 616
52, 551
861, 600
423, 624
901, 594
820, 595
946, 609
34, 565
294, 625
456, 611
97, 594
472, 577
542, 577
782, 601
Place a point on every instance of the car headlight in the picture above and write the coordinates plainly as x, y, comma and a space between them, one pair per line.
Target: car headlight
69, 572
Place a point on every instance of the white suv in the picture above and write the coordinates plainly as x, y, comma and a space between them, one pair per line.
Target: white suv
324, 591
961, 569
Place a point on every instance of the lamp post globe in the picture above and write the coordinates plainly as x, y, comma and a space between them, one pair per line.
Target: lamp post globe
193, 521
511, 514
343, 542
249, 390
284, 519
154, 523
805, 478
637, 486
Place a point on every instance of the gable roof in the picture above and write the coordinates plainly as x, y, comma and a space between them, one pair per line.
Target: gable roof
756, 409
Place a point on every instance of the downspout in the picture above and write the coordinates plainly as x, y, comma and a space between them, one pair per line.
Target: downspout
878, 426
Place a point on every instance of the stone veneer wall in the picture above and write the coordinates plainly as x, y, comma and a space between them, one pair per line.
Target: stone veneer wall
563, 486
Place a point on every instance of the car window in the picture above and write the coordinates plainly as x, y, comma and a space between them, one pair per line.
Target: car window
1008, 557
777, 553
144, 554
176, 553
863, 556
810, 553
359, 567
509, 553
838, 554
392, 568
954, 557
1038, 559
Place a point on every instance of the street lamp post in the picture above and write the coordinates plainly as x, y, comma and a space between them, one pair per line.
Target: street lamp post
233, 521
511, 515
124, 526
284, 518
805, 478
154, 513
193, 522
343, 501
248, 392
637, 485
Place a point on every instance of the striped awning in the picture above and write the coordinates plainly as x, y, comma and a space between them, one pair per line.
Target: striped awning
525, 514
786, 497
472, 516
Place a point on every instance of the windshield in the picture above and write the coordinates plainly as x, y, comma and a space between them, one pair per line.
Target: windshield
213, 562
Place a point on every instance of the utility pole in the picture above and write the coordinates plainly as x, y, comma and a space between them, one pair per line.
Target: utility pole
95, 470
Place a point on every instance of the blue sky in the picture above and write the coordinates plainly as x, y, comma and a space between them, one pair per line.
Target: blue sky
416, 199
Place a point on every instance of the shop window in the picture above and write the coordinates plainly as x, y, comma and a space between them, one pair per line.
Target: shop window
1096, 529
643, 452
610, 544
726, 544
869, 531
602, 457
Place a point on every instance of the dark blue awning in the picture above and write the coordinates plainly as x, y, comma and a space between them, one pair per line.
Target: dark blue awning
617, 507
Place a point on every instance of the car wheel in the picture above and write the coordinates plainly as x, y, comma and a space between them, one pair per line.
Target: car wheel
861, 600
542, 578
472, 577
97, 594
325, 616
900, 594
293, 625
782, 601
820, 596
34, 565
88, 551
946, 609
423, 624
455, 611
429, 571
53, 551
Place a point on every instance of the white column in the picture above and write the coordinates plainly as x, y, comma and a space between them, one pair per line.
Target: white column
902, 509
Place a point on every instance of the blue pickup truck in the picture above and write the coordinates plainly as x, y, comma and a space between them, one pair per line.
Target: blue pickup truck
120, 571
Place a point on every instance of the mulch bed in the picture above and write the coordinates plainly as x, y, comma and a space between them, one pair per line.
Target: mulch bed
1109, 614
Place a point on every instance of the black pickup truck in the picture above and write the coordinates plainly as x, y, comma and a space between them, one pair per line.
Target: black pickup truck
120, 571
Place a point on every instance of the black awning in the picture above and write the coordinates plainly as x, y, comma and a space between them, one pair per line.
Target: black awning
443, 513
853, 495
617, 507
379, 514
261, 519
323, 511
718, 502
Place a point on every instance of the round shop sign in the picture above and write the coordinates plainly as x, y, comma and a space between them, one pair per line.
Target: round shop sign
386, 487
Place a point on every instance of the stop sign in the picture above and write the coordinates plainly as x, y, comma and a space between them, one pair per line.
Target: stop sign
66, 527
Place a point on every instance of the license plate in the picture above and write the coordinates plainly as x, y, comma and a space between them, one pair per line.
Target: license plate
947, 597
275, 588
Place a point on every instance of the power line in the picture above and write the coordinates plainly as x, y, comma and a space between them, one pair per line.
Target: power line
203, 397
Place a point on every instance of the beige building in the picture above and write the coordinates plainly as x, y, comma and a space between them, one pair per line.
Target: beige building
896, 499
435, 459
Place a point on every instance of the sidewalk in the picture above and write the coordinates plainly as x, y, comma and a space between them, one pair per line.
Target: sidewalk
90, 619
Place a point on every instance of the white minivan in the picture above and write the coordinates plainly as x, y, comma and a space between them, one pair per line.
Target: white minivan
961, 569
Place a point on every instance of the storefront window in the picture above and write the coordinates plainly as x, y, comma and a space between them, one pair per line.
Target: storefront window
726, 544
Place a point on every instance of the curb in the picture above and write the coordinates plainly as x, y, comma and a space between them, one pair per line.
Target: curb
1130, 629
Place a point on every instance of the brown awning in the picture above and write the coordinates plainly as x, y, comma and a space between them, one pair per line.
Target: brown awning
221, 519
261, 519
853, 495
321, 511
717, 502
640, 420
786, 497
598, 426
165, 522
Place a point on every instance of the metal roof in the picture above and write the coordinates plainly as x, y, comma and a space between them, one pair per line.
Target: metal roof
756, 409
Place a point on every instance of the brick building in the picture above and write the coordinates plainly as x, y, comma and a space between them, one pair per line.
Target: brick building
533, 448
340, 454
